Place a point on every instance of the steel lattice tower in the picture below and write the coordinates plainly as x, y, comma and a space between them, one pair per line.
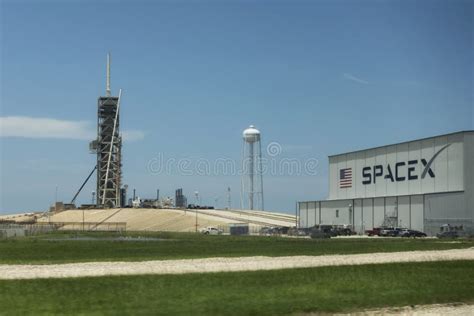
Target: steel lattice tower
109, 148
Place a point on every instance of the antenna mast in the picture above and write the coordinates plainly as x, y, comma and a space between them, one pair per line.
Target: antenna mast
107, 89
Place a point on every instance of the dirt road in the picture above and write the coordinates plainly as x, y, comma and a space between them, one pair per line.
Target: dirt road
419, 310
70, 270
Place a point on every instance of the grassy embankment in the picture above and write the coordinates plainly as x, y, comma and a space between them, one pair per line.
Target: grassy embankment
328, 289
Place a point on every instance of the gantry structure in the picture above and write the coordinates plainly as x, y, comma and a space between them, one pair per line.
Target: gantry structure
108, 147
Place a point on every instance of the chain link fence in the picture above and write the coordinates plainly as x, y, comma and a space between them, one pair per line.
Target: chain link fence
22, 230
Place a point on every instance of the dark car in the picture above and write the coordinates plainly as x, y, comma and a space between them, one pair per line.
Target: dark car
411, 233
319, 234
327, 229
343, 231
448, 234
283, 230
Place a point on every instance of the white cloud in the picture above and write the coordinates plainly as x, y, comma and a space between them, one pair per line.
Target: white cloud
35, 127
132, 135
354, 78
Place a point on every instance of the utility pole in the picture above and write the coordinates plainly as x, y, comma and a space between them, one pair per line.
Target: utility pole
56, 195
296, 217
196, 194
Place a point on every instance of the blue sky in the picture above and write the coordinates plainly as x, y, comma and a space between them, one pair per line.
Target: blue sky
317, 77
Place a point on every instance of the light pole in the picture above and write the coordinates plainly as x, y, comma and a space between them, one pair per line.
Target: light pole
215, 202
350, 214
229, 204
196, 194
395, 209
56, 195
93, 197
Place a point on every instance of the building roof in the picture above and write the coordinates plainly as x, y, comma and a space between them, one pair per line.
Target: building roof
405, 142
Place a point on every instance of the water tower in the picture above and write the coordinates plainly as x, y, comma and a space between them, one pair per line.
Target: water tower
252, 177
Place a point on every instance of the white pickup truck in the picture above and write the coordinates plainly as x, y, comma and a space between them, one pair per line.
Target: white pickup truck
211, 231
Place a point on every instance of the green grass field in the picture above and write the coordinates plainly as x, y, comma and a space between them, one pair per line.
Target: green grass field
329, 289
178, 246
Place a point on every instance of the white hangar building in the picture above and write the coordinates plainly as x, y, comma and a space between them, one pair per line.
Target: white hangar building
420, 184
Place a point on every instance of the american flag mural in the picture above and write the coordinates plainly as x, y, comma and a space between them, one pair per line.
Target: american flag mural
345, 178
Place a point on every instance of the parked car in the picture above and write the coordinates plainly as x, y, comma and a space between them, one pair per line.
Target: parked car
448, 234
385, 231
293, 231
327, 229
282, 230
266, 231
411, 233
211, 231
319, 234
373, 232
390, 231
343, 231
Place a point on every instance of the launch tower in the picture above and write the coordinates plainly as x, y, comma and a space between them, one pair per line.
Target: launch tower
108, 147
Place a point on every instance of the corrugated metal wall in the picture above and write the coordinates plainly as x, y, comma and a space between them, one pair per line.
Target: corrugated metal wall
363, 214
446, 208
469, 172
